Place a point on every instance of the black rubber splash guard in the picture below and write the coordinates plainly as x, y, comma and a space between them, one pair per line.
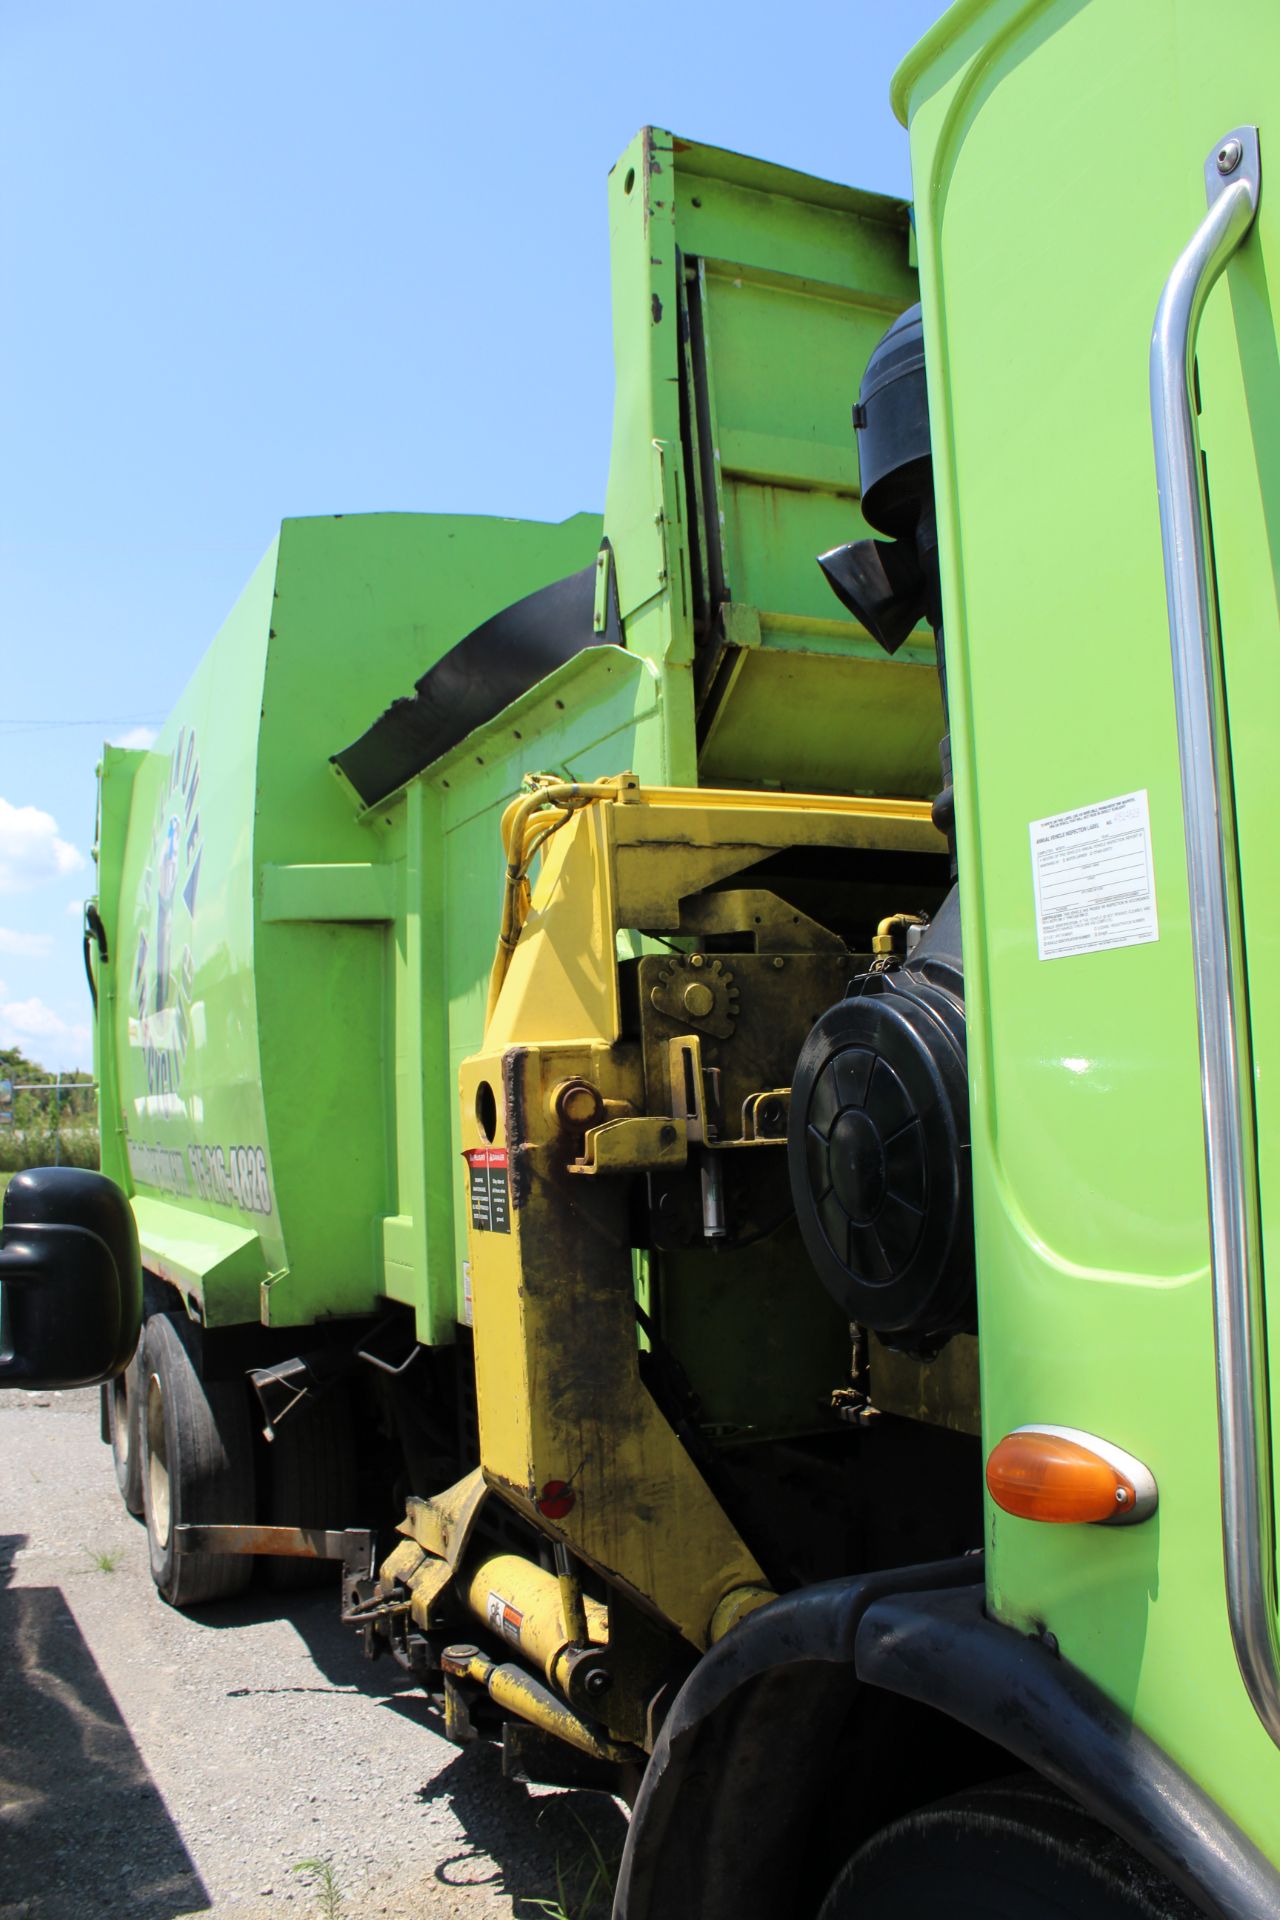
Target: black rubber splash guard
476, 679
941, 1649
722, 1823
734, 1812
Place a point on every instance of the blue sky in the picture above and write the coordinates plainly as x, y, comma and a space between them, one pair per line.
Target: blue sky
296, 258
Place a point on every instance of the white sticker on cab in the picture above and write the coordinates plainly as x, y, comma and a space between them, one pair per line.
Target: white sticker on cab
1094, 880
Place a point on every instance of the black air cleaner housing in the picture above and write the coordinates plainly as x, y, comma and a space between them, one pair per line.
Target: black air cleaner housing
892, 420
891, 584
879, 1147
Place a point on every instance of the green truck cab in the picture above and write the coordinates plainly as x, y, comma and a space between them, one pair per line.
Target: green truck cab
801, 1306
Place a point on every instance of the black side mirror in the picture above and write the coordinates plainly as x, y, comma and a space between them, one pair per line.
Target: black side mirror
70, 1279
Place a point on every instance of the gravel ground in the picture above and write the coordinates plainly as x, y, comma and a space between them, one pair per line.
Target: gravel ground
158, 1765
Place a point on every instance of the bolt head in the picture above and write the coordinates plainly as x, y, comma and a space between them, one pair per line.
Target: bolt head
597, 1682
698, 999
1229, 156
578, 1104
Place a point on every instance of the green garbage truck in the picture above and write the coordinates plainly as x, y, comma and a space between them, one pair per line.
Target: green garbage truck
694, 1084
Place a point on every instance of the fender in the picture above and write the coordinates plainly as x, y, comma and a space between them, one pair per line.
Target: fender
778, 1755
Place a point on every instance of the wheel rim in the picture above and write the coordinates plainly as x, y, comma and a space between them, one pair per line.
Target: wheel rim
120, 1411
157, 1463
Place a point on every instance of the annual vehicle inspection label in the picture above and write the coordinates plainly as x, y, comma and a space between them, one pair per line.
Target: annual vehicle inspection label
1094, 881
490, 1192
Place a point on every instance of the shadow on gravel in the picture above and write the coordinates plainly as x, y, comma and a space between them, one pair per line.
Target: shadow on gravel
522, 1845
315, 1618
334, 1649
83, 1829
523, 1833
534, 1840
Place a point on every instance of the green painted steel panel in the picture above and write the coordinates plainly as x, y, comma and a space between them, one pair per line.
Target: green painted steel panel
766, 291
1058, 151
181, 926
115, 794
211, 1261
241, 1048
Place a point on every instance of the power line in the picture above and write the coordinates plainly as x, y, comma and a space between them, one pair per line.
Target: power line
40, 726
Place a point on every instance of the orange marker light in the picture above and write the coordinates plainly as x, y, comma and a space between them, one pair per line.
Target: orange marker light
1059, 1474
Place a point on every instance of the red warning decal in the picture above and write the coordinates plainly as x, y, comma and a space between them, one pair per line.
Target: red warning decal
490, 1191
504, 1618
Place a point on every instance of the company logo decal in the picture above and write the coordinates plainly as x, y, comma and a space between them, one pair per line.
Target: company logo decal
161, 1021
164, 970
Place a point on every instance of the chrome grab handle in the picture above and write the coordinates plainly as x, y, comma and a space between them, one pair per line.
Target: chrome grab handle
1233, 175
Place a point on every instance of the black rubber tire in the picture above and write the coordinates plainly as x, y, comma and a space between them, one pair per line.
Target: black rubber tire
123, 1399
198, 1446
306, 1476
1016, 1851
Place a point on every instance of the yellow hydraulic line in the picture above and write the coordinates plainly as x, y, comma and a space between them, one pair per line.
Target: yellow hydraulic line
885, 938
522, 834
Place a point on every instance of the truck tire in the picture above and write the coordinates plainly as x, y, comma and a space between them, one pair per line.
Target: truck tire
307, 1477
123, 1398
1006, 1852
198, 1448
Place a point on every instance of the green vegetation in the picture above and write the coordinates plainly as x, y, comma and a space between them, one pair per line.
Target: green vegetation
596, 1876
107, 1559
323, 1881
52, 1118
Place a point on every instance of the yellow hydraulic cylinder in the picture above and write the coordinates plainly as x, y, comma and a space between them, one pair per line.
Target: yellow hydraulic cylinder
522, 1604
518, 1692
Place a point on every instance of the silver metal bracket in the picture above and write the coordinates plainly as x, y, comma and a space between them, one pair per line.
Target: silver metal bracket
1237, 156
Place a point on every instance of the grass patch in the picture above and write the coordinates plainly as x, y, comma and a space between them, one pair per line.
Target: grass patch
323, 1881
593, 1873
107, 1559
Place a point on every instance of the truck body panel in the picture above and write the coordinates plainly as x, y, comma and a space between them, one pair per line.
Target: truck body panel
247, 930
765, 291
1088, 128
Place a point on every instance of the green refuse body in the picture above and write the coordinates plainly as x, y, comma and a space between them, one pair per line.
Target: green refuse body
1046, 1548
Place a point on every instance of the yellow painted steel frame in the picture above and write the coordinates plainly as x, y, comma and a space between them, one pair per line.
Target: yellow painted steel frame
565, 1417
